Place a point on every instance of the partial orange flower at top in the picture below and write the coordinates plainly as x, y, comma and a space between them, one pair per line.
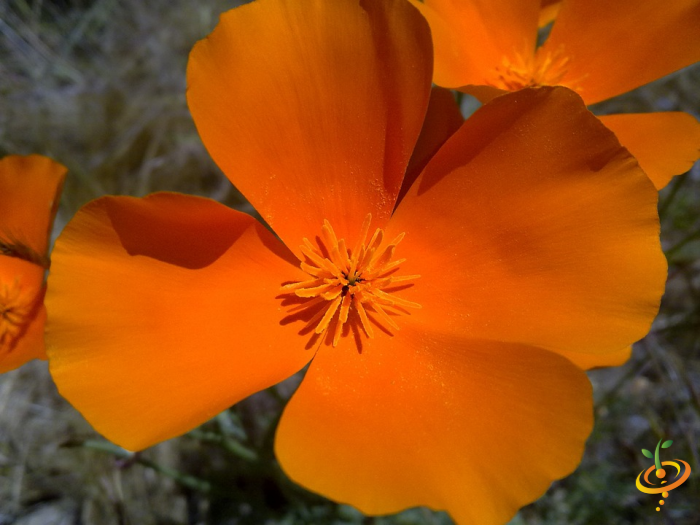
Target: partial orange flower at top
443, 334
598, 48
29, 191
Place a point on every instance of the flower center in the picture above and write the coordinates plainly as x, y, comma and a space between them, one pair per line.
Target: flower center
359, 280
544, 68
14, 313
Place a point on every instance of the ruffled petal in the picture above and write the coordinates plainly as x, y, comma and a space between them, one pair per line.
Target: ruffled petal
533, 225
22, 314
312, 108
29, 191
441, 121
615, 47
665, 144
423, 419
164, 311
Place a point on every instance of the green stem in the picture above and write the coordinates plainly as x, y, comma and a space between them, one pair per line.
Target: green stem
231, 445
183, 479
656, 455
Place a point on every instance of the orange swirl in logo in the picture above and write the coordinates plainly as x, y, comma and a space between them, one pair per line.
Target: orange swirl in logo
664, 487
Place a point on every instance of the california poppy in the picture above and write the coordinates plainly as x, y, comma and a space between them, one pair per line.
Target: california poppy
599, 49
29, 191
440, 334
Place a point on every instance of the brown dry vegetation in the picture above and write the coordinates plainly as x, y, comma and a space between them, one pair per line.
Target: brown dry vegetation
99, 86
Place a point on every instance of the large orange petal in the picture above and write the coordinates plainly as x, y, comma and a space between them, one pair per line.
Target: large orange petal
533, 225
442, 119
617, 46
22, 314
665, 144
163, 312
476, 428
471, 37
29, 191
312, 108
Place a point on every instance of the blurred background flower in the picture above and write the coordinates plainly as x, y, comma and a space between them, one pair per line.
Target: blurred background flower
99, 85
30, 188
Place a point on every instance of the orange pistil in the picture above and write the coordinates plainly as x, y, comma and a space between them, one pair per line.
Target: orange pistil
544, 68
355, 278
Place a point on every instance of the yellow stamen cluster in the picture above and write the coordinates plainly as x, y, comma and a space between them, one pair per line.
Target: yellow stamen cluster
14, 313
354, 278
544, 68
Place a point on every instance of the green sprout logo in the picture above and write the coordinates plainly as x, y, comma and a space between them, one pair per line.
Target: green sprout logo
664, 487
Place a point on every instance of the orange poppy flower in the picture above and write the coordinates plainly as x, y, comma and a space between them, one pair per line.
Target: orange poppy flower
29, 191
440, 333
599, 49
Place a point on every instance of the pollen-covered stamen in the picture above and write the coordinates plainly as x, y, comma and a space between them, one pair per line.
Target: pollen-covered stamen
545, 67
357, 279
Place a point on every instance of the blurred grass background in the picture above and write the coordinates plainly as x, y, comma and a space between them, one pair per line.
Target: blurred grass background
99, 85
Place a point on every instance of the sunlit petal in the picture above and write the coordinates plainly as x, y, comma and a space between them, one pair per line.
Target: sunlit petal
665, 144
617, 46
163, 312
427, 419
313, 105
533, 225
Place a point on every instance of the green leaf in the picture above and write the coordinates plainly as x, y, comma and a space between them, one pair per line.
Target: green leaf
647, 453
666, 444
